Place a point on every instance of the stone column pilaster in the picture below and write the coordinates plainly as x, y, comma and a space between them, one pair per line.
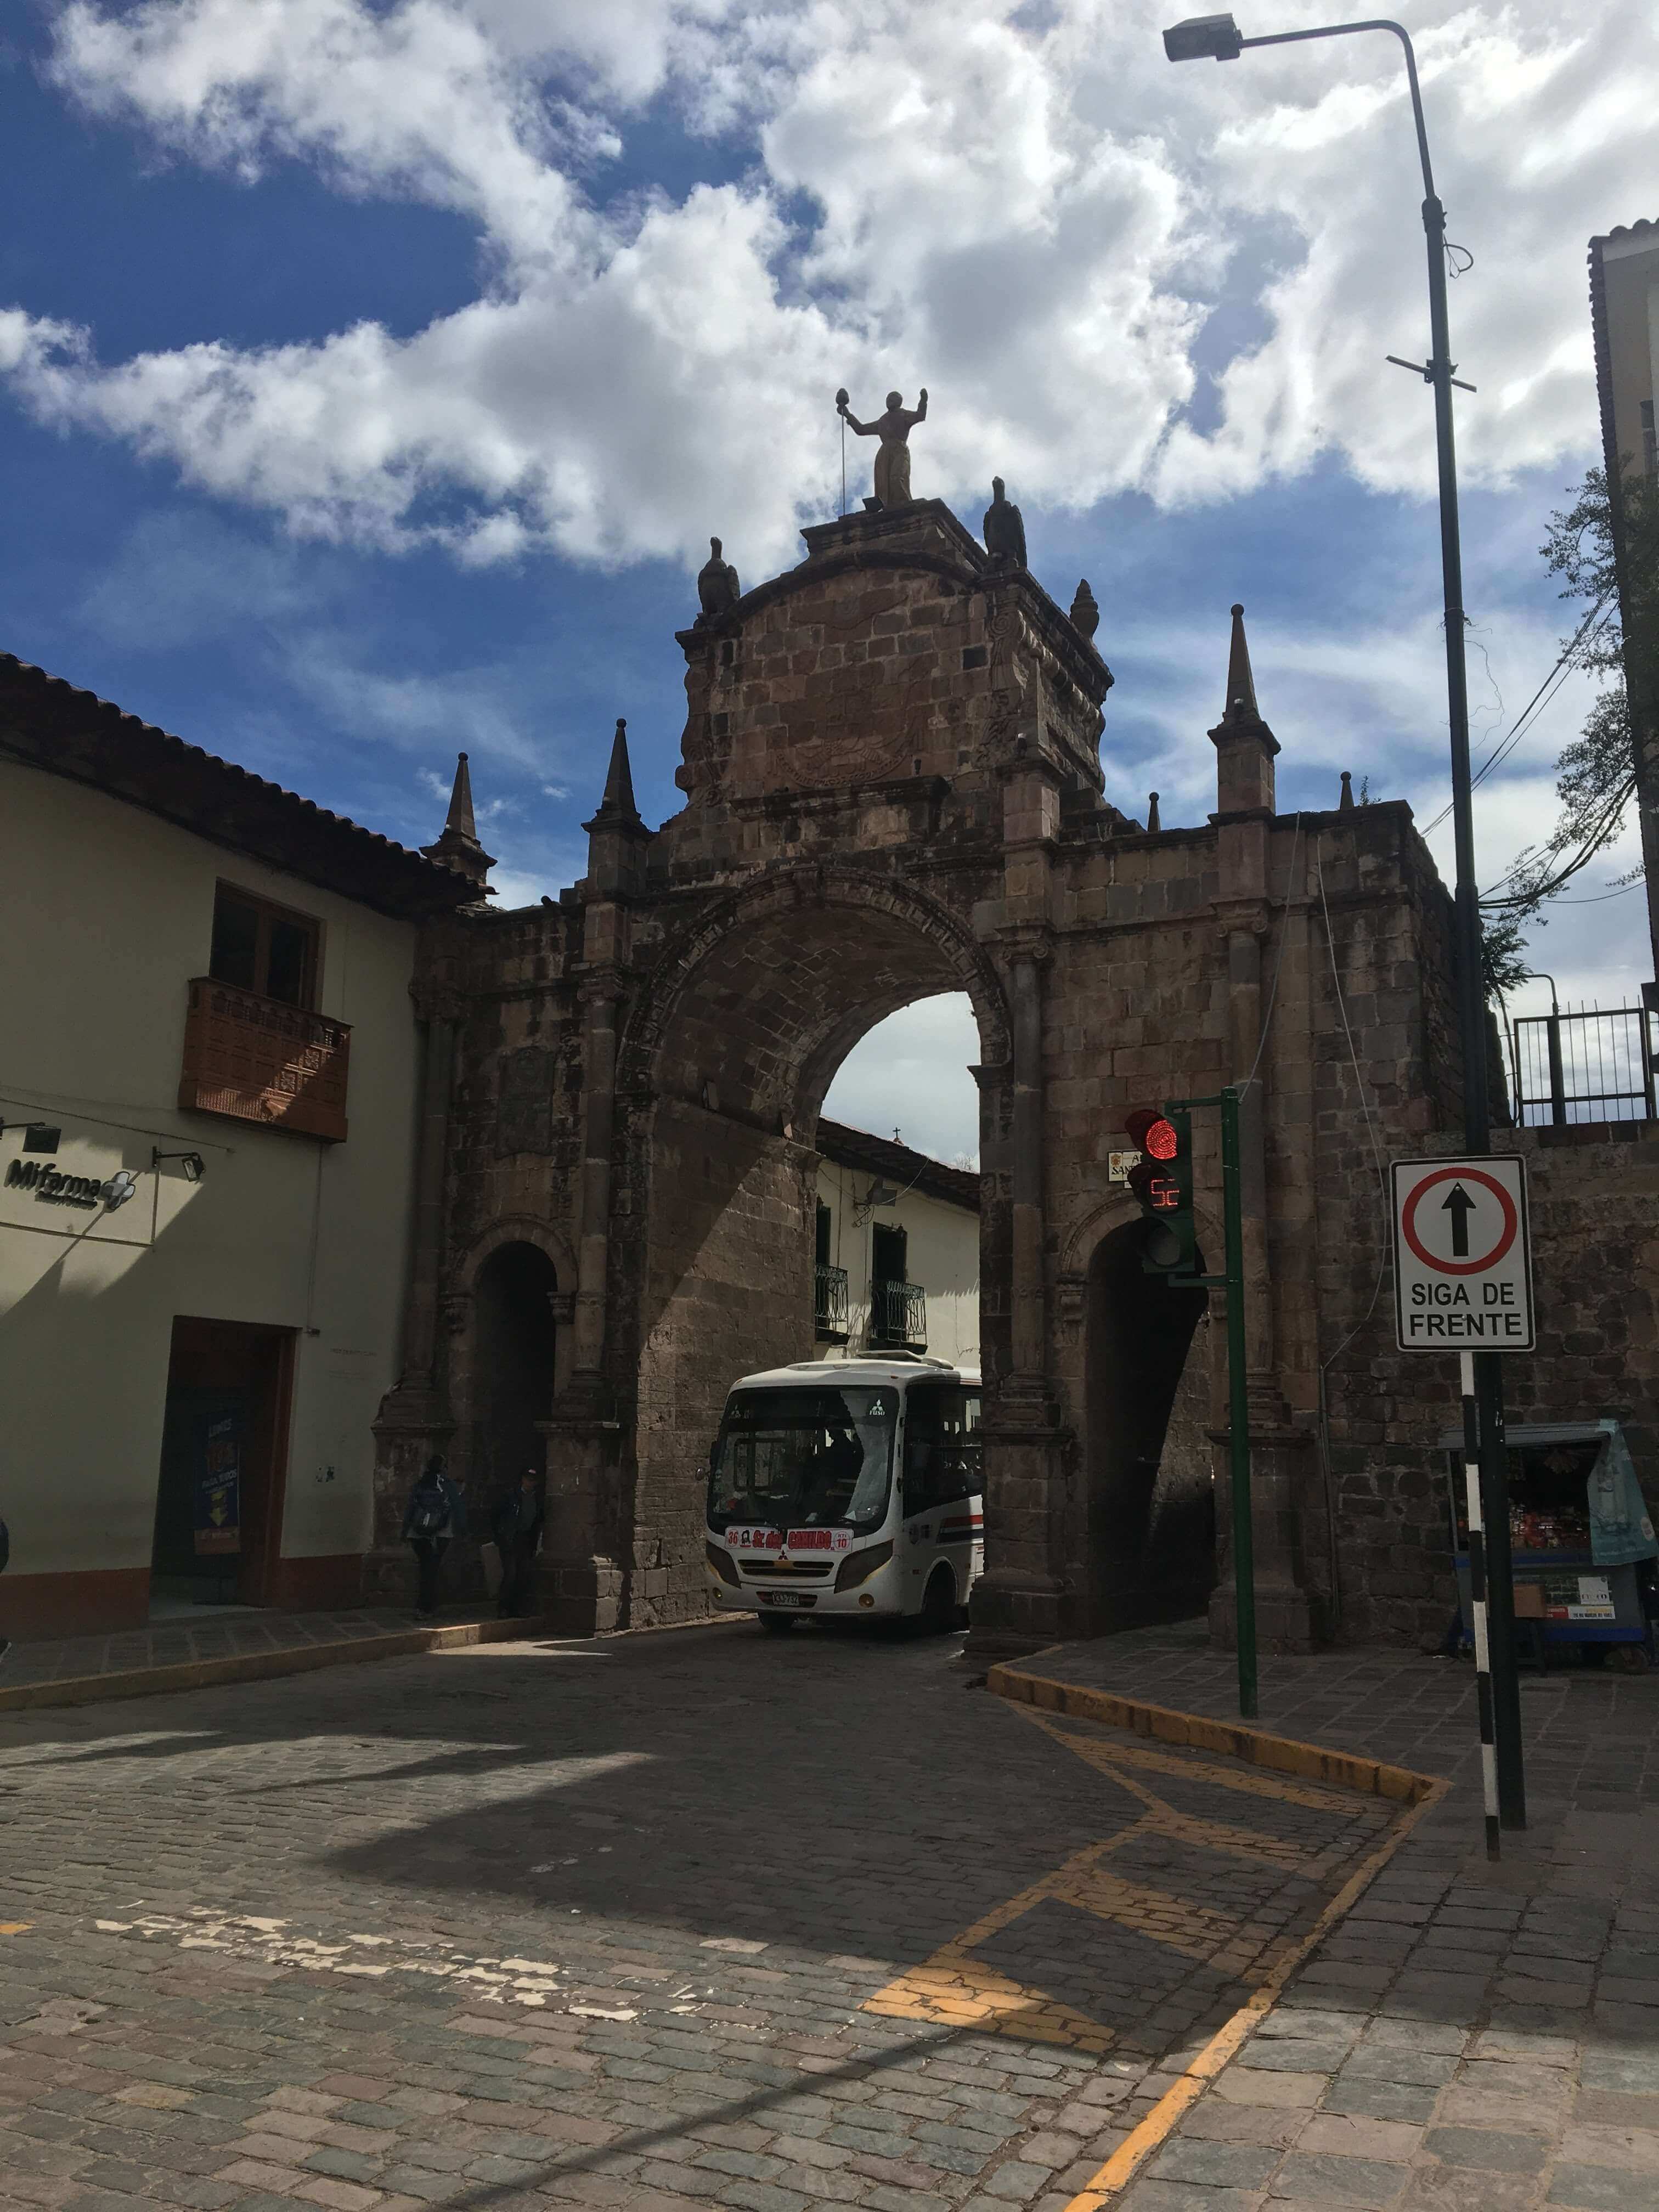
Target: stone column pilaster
414, 1420
581, 1582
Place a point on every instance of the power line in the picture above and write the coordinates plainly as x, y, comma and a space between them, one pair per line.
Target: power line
1552, 684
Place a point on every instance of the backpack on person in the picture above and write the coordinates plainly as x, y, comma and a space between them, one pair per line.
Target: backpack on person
429, 1510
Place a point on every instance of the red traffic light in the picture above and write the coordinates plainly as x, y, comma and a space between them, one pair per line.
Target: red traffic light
1153, 1133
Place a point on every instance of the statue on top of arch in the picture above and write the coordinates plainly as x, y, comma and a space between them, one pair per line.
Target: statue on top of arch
893, 429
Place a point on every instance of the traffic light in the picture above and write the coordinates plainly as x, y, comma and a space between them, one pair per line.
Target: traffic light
1162, 1181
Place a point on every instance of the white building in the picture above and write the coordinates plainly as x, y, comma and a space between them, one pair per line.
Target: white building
1623, 269
897, 1250
208, 1090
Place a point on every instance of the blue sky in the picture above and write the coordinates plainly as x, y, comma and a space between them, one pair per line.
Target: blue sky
372, 378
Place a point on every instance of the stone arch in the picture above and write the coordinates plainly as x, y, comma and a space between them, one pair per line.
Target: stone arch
516, 1229
734, 921
724, 1066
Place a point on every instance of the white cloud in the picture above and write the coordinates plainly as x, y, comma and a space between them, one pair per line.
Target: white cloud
910, 1072
1032, 215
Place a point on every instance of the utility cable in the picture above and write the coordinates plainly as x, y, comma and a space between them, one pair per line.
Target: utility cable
1552, 684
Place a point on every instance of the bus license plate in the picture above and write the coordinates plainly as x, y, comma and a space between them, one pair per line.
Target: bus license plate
798, 1598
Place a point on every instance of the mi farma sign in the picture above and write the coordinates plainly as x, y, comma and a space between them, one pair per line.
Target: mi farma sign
50, 1186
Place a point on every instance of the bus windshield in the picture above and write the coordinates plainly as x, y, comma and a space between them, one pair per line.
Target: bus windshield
794, 1459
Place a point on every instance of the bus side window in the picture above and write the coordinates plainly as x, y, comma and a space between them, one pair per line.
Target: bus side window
942, 1447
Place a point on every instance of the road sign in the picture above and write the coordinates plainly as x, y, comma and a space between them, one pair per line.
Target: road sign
1462, 1260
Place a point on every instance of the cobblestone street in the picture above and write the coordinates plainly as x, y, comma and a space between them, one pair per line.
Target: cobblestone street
703, 1917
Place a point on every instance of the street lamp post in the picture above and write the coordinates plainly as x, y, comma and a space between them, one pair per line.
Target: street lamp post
1217, 38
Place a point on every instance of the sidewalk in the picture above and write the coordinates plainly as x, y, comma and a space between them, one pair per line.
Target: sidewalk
180, 1653
1472, 2038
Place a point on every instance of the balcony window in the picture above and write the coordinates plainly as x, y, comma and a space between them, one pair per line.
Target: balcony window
264, 948
898, 1309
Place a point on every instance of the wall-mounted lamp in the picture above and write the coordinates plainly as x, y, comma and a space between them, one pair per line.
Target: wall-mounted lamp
38, 1136
192, 1164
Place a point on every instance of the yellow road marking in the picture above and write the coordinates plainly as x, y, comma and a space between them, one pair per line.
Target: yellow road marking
1320, 1797
953, 1988
15, 1927
1110, 1759
1130, 2155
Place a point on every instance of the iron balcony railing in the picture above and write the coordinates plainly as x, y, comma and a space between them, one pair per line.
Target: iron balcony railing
830, 1305
1592, 1064
898, 1316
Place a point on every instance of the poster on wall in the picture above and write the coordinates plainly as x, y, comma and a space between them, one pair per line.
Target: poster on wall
219, 1489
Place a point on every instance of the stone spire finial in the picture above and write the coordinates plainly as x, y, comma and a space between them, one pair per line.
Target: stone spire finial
1241, 684
1344, 804
1085, 610
457, 846
1245, 746
1152, 823
616, 838
618, 804
460, 817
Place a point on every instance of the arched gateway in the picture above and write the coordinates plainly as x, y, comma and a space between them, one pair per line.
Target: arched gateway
892, 785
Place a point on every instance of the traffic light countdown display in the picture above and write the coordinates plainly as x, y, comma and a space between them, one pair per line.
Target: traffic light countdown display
1162, 1182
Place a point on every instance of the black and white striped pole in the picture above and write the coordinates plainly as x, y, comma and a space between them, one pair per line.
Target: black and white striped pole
1478, 1600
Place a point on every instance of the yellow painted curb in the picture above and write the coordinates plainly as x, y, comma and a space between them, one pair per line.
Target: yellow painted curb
262, 1666
1284, 1755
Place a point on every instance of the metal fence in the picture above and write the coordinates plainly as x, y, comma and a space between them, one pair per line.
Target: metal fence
1591, 1064
898, 1314
830, 1301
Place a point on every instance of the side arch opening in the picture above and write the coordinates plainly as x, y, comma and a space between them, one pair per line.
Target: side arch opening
1152, 1507
512, 1374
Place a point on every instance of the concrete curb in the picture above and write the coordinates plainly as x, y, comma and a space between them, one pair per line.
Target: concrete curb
263, 1666
1284, 1755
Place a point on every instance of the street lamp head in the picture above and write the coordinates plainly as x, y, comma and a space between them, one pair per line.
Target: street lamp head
1204, 38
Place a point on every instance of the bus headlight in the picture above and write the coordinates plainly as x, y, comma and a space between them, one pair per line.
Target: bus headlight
722, 1563
858, 1566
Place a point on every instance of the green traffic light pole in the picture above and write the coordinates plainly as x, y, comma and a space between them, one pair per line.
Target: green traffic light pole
1217, 38
1238, 1404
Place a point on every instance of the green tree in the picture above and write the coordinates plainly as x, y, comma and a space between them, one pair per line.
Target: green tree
1617, 642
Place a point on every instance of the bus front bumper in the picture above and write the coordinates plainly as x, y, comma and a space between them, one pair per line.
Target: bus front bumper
873, 1587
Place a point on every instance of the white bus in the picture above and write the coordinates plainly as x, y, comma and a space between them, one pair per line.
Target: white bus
848, 1487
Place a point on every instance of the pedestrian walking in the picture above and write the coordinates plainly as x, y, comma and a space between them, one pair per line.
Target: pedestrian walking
437, 1512
517, 1528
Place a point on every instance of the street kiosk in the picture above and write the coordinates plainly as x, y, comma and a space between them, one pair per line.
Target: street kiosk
1581, 1537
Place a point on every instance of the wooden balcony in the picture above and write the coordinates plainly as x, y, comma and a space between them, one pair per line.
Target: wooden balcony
260, 1060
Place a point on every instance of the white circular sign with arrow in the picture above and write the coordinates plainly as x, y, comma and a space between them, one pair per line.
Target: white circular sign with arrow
1462, 1265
